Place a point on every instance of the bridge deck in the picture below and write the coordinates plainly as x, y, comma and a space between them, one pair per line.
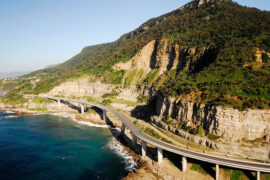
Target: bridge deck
235, 163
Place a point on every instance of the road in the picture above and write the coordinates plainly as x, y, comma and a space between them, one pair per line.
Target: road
235, 163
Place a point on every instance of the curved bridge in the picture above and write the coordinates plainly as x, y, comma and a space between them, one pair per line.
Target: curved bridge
185, 153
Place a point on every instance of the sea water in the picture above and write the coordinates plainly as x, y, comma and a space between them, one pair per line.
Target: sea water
54, 147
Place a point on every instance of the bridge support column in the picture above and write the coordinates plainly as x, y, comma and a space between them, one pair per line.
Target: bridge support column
184, 163
59, 104
82, 108
104, 115
160, 154
258, 175
144, 148
123, 128
217, 171
134, 140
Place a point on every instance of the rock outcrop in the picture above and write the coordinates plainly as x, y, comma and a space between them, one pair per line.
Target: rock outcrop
141, 60
164, 56
242, 133
221, 121
83, 88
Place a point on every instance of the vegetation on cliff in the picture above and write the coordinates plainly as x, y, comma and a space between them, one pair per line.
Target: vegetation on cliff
227, 73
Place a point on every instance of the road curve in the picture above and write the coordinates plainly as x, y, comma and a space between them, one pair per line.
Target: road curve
235, 163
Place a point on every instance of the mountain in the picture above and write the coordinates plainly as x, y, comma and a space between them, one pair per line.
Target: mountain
210, 51
12, 74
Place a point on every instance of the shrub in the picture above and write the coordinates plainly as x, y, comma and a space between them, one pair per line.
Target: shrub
212, 136
201, 131
110, 95
40, 100
92, 99
106, 102
14, 99
142, 99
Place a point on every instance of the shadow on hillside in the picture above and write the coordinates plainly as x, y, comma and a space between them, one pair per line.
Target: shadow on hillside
144, 112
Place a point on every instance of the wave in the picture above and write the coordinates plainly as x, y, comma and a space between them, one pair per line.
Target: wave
116, 146
73, 117
7, 114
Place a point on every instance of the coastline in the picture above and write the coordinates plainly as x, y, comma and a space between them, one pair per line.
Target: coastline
134, 163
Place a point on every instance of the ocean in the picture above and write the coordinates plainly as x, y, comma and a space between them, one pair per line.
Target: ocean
54, 147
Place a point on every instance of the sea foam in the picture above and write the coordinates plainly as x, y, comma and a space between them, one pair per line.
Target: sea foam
113, 144
116, 146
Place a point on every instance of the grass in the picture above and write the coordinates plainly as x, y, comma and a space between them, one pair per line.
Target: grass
156, 135
110, 95
40, 100
236, 174
198, 168
265, 176
143, 99
106, 102
123, 101
151, 77
130, 77
92, 99
43, 109
212, 136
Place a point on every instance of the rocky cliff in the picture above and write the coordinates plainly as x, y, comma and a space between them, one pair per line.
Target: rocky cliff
83, 87
221, 121
163, 55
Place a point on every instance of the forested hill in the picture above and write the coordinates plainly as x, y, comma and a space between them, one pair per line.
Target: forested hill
233, 69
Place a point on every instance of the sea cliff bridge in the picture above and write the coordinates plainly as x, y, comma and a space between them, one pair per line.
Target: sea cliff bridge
185, 153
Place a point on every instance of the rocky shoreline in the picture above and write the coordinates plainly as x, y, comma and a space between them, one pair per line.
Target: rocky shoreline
135, 164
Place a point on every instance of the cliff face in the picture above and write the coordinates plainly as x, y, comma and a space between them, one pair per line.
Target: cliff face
142, 60
164, 56
221, 121
82, 88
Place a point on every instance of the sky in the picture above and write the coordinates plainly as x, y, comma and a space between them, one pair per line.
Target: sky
37, 33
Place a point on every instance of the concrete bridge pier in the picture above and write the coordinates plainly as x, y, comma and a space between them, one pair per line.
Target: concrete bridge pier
134, 140
144, 148
258, 175
59, 104
82, 108
123, 128
184, 163
160, 154
217, 171
104, 115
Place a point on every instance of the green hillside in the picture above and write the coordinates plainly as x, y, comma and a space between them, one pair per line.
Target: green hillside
229, 72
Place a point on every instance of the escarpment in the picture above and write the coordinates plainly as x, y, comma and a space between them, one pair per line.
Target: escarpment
164, 56
220, 121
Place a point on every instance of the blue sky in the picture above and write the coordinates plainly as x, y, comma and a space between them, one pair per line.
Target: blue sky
37, 33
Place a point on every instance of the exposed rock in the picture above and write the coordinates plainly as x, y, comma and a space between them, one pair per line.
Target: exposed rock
221, 121
259, 53
141, 60
238, 130
198, 3
163, 56
82, 88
